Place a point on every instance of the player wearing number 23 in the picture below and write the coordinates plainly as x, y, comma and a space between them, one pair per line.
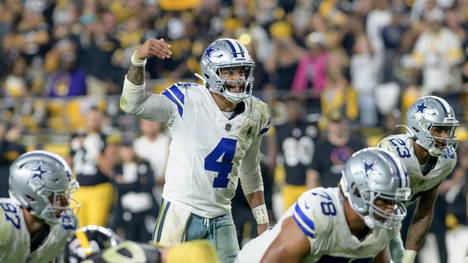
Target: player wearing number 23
216, 130
353, 222
427, 151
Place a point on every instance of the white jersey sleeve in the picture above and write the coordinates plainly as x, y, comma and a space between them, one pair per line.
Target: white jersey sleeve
313, 214
250, 174
5, 227
136, 101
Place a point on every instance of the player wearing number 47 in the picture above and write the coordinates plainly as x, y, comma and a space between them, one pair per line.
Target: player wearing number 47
427, 151
353, 222
216, 131
37, 219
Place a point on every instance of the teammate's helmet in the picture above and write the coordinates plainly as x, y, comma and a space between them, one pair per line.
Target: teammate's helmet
227, 53
427, 113
42, 182
373, 173
88, 241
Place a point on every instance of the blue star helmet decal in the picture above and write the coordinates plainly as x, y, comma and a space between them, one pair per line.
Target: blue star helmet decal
421, 107
368, 166
38, 172
210, 50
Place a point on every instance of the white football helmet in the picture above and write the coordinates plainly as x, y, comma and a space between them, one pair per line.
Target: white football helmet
227, 53
42, 182
427, 113
373, 173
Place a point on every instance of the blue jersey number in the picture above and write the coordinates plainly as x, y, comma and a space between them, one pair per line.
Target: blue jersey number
401, 148
328, 208
11, 214
226, 149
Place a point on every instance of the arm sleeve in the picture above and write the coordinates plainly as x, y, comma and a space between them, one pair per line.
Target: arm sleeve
5, 228
308, 215
250, 174
135, 101
385, 144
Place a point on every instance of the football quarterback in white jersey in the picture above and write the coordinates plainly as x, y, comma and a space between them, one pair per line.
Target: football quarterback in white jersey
427, 151
37, 219
216, 131
353, 222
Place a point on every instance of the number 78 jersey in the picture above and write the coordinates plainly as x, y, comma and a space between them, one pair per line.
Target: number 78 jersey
402, 146
208, 151
319, 215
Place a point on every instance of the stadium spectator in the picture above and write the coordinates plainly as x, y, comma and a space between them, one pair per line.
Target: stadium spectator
295, 146
10, 149
92, 154
153, 146
336, 146
312, 69
437, 52
135, 205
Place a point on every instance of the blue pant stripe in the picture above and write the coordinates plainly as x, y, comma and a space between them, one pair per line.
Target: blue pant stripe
161, 223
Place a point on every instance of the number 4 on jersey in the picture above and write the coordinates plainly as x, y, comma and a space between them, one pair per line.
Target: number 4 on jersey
226, 149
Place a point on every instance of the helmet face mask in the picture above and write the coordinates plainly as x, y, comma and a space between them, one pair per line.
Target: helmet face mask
376, 186
42, 183
225, 55
429, 118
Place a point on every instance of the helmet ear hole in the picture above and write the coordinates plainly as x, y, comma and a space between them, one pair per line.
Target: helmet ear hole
30, 198
355, 191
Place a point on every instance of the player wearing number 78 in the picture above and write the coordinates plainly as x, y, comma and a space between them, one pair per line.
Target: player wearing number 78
216, 131
353, 222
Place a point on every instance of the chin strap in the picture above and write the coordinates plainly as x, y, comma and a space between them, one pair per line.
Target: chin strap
200, 77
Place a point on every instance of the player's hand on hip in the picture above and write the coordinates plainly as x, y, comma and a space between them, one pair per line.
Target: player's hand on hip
154, 47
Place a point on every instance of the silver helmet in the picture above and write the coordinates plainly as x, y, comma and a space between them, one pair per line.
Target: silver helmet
426, 114
227, 53
371, 174
42, 182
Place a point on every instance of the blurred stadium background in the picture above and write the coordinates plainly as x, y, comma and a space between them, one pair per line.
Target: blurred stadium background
352, 66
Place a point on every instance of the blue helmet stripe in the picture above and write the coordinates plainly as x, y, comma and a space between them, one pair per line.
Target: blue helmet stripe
178, 93
171, 98
443, 106
242, 52
233, 49
399, 175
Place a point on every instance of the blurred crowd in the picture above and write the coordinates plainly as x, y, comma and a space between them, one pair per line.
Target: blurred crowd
338, 75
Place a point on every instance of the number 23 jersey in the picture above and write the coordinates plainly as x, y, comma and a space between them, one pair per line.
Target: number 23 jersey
209, 151
319, 214
402, 146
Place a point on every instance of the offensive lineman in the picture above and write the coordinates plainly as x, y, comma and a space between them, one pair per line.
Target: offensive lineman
216, 131
38, 218
354, 221
427, 151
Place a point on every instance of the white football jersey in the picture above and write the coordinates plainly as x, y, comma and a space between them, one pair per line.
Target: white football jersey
15, 238
207, 151
402, 146
319, 214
